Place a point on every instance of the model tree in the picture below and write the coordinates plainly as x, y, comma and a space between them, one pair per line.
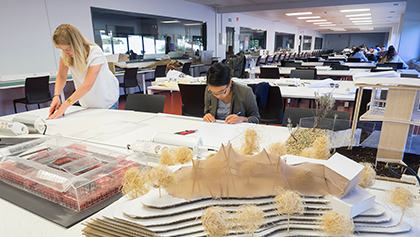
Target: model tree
336, 224
215, 221
249, 218
401, 198
135, 183
162, 177
288, 203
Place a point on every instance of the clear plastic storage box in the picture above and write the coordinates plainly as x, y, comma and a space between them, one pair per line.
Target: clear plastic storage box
64, 171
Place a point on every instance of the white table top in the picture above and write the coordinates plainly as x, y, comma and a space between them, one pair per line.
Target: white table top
16, 221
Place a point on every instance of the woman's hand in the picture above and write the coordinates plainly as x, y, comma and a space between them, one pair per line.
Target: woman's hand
233, 118
55, 105
59, 109
209, 118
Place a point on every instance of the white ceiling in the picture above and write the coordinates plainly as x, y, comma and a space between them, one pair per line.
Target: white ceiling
385, 13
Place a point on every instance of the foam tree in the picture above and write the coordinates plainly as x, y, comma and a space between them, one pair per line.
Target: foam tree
288, 203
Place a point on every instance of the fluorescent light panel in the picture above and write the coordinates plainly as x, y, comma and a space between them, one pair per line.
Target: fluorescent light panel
170, 22
356, 10
360, 18
298, 13
193, 24
357, 15
362, 21
328, 25
317, 23
314, 20
308, 17
370, 28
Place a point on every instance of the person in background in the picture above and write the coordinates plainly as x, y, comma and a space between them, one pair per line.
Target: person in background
346, 50
358, 53
169, 45
371, 56
96, 86
353, 48
391, 56
377, 48
227, 100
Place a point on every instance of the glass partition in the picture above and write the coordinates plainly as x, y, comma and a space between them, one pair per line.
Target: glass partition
147, 37
251, 39
318, 43
284, 41
307, 42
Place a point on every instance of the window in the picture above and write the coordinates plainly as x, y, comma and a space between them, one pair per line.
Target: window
146, 36
252, 39
284, 41
318, 43
307, 42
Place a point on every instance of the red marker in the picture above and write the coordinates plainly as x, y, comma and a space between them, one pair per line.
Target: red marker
186, 132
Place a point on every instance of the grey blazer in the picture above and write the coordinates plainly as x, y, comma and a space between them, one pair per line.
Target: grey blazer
243, 100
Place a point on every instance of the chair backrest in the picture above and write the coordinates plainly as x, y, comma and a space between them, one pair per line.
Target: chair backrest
313, 60
186, 68
37, 89
340, 67
257, 62
292, 64
409, 75
145, 103
295, 114
130, 77
303, 74
160, 71
332, 63
269, 72
192, 96
273, 108
355, 60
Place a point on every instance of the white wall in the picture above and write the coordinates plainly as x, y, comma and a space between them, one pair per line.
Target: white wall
258, 23
27, 27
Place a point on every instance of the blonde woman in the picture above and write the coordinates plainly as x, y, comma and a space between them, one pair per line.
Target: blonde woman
96, 86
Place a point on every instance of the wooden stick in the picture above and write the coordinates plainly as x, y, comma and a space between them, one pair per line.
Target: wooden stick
401, 217
288, 222
355, 116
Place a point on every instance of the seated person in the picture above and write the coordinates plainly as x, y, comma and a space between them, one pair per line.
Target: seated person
225, 99
346, 50
392, 57
358, 53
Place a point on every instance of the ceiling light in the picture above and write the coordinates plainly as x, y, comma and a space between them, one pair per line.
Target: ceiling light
193, 24
360, 18
298, 13
328, 25
317, 23
357, 15
361, 21
170, 22
367, 28
308, 17
356, 10
315, 20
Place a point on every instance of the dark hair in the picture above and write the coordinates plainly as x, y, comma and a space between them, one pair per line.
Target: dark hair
390, 53
218, 75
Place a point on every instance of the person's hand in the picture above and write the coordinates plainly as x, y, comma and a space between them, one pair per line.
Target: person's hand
209, 118
233, 118
55, 104
60, 111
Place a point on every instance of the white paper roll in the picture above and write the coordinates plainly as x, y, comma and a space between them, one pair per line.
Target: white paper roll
177, 140
35, 124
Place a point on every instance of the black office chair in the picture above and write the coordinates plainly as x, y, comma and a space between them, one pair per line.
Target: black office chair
303, 73
192, 96
145, 103
313, 60
186, 68
296, 114
331, 63
340, 67
130, 79
354, 60
292, 64
37, 91
395, 66
409, 75
205, 72
160, 71
273, 108
269, 72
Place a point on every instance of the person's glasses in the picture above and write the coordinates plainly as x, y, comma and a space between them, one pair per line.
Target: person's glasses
222, 92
